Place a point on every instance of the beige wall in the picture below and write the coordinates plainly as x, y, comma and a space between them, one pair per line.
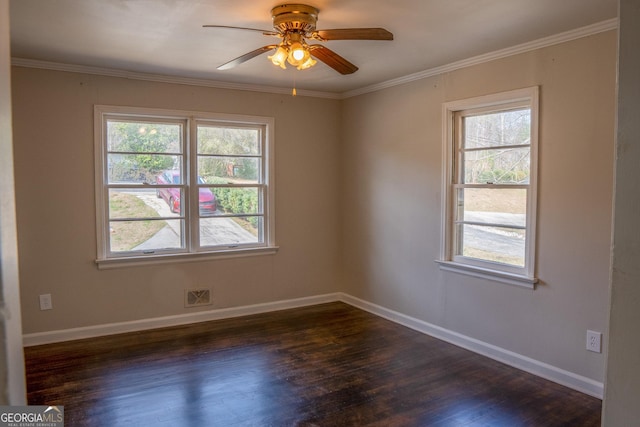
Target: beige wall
392, 204
358, 204
54, 165
622, 390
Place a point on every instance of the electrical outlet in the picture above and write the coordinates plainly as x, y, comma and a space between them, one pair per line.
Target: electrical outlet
45, 302
594, 341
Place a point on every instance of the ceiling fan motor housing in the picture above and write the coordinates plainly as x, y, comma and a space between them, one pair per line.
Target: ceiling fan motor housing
299, 18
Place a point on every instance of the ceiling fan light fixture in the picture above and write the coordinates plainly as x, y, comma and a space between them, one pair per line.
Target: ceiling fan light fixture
280, 57
298, 54
310, 62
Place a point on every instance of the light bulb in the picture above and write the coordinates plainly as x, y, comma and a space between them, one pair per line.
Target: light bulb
298, 54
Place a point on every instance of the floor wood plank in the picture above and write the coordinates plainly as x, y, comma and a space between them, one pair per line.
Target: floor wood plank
326, 365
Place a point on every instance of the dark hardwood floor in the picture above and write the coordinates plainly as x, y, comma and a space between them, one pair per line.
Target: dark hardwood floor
326, 365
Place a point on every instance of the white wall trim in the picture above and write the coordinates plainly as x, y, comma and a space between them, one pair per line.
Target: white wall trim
599, 27
50, 337
535, 367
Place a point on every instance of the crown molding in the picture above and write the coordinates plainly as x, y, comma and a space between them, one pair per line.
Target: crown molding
610, 24
162, 78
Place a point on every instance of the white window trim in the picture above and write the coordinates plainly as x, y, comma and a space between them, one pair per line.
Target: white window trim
104, 260
493, 271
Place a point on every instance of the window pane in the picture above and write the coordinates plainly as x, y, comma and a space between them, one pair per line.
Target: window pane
228, 141
169, 176
143, 202
138, 168
207, 202
144, 231
168, 201
498, 129
497, 166
145, 235
144, 137
502, 206
230, 231
503, 245
225, 170
237, 201
132, 203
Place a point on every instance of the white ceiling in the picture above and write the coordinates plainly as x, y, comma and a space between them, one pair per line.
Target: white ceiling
166, 36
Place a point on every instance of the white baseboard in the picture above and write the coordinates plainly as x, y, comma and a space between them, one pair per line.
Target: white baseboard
535, 367
39, 338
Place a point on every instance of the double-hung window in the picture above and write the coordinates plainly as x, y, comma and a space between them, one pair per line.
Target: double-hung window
490, 186
182, 185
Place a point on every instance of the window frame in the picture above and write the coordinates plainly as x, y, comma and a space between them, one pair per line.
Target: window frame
448, 260
192, 251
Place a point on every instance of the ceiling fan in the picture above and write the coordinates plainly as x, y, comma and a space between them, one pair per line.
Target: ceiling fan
295, 24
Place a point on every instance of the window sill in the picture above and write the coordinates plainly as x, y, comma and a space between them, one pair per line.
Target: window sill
109, 263
485, 273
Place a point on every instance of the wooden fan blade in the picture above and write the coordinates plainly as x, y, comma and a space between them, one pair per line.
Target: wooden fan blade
247, 56
353, 34
265, 32
332, 59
